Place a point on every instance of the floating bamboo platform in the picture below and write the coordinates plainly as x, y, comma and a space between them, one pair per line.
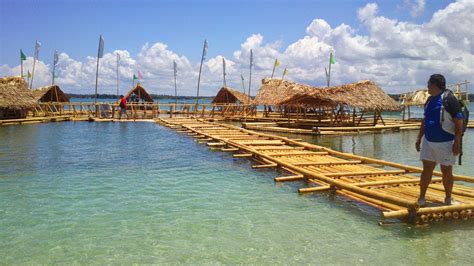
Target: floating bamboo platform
389, 187
280, 127
34, 120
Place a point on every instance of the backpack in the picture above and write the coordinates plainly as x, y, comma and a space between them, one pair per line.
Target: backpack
447, 123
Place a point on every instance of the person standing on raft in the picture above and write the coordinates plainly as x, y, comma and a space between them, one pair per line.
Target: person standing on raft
439, 138
123, 107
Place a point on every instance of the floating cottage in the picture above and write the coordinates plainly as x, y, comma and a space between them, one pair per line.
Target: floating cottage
15, 98
227, 95
138, 94
347, 104
50, 94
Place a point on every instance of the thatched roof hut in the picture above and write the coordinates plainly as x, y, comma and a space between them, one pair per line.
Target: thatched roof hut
275, 91
139, 93
364, 95
50, 94
418, 97
228, 95
15, 98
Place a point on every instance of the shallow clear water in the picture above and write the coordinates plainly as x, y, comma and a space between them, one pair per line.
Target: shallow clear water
102, 193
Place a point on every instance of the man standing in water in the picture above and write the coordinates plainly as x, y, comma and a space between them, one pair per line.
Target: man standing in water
123, 107
440, 136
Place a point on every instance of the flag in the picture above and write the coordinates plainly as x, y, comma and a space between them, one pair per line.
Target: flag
37, 48
29, 74
56, 57
277, 63
223, 64
251, 57
175, 67
204, 51
242, 77
332, 60
101, 47
140, 76
285, 71
118, 58
134, 77
22, 55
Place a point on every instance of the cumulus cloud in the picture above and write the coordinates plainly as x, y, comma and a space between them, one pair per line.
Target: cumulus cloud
398, 55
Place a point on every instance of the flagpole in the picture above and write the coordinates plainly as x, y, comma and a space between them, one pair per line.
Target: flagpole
175, 86
21, 63
329, 72
274, 66
243, 85
118, 58
133, 81
200, 70
250, 76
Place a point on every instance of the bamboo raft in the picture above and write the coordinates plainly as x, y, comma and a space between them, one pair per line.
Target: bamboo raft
389, 187
277, 127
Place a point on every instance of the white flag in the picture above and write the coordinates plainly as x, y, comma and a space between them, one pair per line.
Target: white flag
175, 67
56, 57
223, 64
204, 51
37, 48
251, 57
101, 47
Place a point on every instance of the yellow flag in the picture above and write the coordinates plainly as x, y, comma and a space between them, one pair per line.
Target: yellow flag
286, 71
277, 63
29, 74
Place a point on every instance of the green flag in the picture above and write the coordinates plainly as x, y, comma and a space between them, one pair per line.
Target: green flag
135, 77
22, 55
332, 60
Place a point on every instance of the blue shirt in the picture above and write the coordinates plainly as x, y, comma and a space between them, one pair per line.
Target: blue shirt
433, 130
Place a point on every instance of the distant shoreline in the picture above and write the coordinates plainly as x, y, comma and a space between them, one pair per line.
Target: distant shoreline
396, 97
113, 96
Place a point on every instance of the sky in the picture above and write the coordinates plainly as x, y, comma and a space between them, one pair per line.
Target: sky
397, 44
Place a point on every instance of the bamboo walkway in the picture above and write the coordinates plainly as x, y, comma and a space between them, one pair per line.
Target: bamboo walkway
389, 187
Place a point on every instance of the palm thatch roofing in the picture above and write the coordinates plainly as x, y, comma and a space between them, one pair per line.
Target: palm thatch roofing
228, 95
14, 94
140, 92
50, 94
364, 95
418, 97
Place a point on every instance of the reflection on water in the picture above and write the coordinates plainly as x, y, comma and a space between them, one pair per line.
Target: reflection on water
123, 193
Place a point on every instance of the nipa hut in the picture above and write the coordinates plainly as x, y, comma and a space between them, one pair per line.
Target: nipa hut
15, 98
138, 94
341, 104
50, 94
228, 95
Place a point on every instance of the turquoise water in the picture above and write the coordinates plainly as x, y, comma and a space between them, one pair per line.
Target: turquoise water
122, 193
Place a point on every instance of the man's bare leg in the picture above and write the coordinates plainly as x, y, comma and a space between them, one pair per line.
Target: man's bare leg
425, 179
448, 181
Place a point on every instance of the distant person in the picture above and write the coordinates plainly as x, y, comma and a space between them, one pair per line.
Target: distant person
123, 107
439, 138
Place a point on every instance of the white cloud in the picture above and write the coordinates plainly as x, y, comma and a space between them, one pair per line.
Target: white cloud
398, 55
417, 7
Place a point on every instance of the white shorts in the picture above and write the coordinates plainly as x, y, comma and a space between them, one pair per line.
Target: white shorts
438, 152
